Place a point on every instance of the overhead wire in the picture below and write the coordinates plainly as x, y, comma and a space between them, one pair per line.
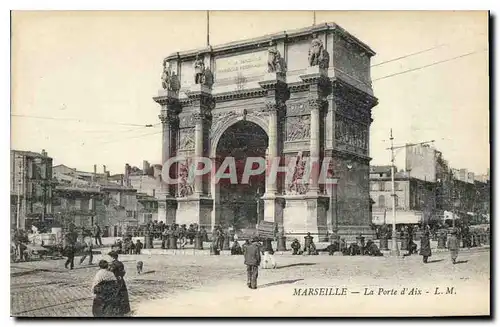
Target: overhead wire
421, 51
79, 120
428, 65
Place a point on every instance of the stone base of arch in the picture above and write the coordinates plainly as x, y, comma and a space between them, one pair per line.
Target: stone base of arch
306, 214
195, 210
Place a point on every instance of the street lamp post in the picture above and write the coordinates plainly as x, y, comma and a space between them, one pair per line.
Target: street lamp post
394, 247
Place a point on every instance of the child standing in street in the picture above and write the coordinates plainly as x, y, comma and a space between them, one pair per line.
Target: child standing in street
453, 246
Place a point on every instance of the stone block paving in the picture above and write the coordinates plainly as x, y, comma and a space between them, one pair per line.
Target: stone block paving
45, 288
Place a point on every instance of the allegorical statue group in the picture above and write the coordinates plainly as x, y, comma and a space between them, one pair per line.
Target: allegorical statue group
317, 56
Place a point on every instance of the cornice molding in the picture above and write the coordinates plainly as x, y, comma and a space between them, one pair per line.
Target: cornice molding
263, 41
343, 90
240, 94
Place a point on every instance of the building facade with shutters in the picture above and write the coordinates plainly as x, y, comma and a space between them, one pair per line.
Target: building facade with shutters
414, 198
32, 186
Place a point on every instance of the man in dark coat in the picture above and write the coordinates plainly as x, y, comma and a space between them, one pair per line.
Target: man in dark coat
117, 268
70, 247
191, 232
138, 247
372, 249
252, 261
236, 249
221, 238
87, 250
453, 246
411, 245
165, 238
245, 245
97, 234
425, 244
204, 234
295, 247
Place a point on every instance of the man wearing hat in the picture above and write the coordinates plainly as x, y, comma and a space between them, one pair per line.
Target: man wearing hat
295, 247
453, 245
252, 261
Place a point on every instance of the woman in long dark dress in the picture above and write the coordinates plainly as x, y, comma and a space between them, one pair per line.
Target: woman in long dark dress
106, 288
118, 269
425, 244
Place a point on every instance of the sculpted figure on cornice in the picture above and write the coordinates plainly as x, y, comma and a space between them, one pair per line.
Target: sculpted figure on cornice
207, 78
169, 80
275, 63
318, 56
202, 75
199, 68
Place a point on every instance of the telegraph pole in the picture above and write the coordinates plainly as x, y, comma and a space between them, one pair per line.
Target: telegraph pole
394, 248
208, 28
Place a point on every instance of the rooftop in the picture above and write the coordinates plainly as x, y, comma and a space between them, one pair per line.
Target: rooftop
30, 154
379, 169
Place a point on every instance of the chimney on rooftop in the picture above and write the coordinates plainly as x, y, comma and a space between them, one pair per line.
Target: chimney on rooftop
126, 176
145, 167
106, 173
94, 175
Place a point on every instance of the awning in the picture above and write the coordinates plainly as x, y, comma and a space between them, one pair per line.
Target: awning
402, 217
448, 215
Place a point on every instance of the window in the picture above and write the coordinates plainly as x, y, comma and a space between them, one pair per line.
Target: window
130, 214
84, 204
381, 201
396, 204
382, 186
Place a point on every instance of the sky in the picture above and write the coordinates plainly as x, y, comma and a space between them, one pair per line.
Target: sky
95, 73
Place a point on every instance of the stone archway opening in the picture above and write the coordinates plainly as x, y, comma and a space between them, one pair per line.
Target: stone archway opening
239, 204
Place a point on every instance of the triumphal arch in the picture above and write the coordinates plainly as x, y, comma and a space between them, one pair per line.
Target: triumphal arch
294, 95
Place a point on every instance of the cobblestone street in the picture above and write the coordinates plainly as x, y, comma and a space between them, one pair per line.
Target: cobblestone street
215, 285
